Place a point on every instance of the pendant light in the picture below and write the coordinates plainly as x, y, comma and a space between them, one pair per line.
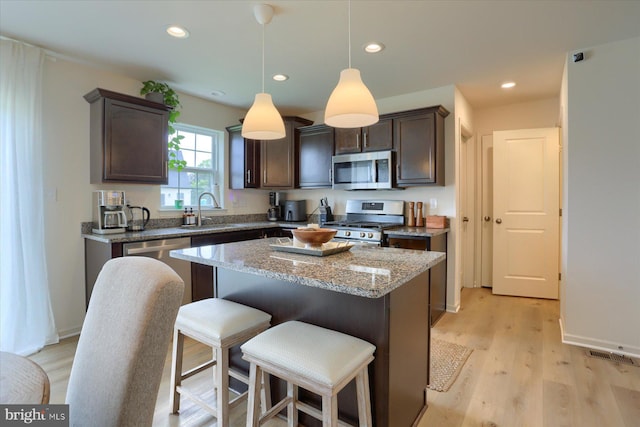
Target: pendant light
351, 104
263, 122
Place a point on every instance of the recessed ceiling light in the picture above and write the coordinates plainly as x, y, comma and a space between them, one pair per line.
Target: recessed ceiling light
280, 77
373, 47
177, 32
218, 92
508, 85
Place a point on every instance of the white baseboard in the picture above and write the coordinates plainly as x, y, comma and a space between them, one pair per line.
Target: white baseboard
69, 332
596, 344
453, 308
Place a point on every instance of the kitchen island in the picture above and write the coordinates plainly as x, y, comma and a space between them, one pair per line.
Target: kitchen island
378, 294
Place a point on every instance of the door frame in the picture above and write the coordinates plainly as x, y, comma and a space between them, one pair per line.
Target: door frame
468, 201
484, 187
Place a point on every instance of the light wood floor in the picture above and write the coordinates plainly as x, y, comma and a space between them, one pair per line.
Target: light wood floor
519, 373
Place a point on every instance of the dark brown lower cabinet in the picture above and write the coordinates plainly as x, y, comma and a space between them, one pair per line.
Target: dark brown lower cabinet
202, 275
437, 273
96, 254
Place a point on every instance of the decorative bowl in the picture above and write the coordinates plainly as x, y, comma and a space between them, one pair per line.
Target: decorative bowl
314, 237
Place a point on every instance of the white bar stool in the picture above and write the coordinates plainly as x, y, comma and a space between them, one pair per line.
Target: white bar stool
317, 359
220, 324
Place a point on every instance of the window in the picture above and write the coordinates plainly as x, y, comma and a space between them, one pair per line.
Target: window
200, 149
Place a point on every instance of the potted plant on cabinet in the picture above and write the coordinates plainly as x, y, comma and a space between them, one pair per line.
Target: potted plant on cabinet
162, 92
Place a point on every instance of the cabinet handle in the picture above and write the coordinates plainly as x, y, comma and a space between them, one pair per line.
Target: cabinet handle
398, 171
498, 221
487, 218
331, 175
465, 219
264, 176
364, 135
248, 176
358, 141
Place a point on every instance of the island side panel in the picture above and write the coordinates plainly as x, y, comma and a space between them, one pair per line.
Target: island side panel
397, 324
365, 318
410, 334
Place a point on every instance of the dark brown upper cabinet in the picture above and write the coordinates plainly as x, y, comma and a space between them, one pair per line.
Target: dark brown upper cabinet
377, 137
128, 138
244, 160
315, 149
278, 159
419, 144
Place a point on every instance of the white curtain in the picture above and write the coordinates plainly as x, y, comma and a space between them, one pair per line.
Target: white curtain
26, 322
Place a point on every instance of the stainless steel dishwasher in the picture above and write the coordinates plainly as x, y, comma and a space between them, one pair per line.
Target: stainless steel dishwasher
159, 249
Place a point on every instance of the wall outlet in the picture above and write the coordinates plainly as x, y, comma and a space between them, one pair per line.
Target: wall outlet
433, 204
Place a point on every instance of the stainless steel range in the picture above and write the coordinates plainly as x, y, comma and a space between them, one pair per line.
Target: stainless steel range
366, 220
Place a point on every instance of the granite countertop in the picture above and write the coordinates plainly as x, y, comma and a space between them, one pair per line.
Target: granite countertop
370, 272
188, 231
416, 231
184, 231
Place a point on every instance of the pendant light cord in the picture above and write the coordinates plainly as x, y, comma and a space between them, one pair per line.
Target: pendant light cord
349, 33
262, 58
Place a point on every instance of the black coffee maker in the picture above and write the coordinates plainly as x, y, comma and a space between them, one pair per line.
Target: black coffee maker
274, 213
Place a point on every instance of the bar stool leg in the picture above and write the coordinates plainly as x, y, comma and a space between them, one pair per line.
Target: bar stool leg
176, 370
253, 414
214, 356
222, 367
292, 411
265, 394
364, 399
330, 411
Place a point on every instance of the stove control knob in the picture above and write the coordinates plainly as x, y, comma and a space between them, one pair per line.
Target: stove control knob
362, 234
347, 233
370, 235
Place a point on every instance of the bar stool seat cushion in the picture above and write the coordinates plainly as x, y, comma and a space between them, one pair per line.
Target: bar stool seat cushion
320, 354
218, 318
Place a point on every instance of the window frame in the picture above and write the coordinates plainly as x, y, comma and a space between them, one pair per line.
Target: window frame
215, 173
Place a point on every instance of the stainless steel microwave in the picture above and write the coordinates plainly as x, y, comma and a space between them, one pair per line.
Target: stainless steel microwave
363, 171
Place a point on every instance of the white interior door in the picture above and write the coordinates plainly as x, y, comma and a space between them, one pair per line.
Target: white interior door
486, 236
526, 212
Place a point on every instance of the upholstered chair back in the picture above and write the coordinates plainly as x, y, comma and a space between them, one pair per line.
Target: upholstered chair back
118, 364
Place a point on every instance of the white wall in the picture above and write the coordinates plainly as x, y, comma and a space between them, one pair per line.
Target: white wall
526, 115
66, 175
601, 251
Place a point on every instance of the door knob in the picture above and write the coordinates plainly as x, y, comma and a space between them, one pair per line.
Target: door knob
487, 218
465, 219
498, 221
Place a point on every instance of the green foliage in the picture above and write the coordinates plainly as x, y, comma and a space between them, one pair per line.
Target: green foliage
171, 99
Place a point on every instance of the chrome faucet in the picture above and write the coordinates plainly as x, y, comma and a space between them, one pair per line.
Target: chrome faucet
215, 205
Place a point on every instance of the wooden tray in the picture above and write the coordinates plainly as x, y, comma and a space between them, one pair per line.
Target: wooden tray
329, 248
